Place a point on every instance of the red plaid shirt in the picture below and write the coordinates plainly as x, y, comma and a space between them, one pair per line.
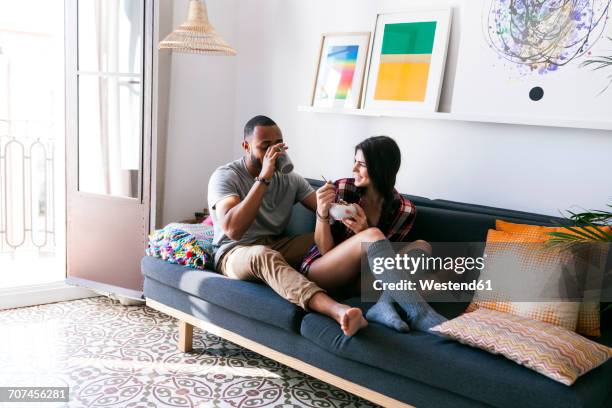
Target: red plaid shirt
395, 223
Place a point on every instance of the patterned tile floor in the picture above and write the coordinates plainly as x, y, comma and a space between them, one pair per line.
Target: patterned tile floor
116, 356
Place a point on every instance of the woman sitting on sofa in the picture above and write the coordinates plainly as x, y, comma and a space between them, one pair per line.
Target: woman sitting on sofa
381, 215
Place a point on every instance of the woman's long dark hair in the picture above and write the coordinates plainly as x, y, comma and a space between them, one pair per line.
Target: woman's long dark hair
383, 159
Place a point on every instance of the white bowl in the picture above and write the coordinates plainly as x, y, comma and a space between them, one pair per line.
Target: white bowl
341, 211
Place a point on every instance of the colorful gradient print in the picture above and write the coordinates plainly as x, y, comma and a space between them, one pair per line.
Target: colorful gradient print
341, 62
344, 62
405, 61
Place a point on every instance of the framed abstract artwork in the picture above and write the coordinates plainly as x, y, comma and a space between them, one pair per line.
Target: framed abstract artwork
543, 59
407, 60
340, 71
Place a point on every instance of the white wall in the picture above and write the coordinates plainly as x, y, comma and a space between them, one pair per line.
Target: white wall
200, 116
521, 167
162, 61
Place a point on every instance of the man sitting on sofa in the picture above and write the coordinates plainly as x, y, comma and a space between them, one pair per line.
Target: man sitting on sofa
250, 205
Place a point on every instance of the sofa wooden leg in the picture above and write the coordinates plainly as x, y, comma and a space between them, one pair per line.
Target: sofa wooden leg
185, 342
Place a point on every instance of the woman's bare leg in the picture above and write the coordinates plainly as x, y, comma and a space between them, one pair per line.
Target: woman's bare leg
341, 265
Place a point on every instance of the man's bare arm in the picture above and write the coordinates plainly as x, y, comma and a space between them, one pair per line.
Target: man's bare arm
310, 201
235, 215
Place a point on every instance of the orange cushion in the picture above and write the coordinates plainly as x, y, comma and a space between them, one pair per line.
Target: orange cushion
538, 231
589, 316
522, 266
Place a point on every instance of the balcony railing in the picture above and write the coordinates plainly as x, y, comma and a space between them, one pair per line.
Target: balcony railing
27, 201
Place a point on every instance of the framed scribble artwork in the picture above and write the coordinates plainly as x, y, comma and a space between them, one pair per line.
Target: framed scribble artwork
407, 60
549, 59
340, 70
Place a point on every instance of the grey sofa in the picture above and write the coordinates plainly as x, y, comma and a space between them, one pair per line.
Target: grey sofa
379, 364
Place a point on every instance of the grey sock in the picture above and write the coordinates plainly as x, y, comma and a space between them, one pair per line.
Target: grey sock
384, 312
421, 316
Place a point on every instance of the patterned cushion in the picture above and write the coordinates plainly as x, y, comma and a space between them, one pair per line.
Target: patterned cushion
519, 266
550, 350
588, 316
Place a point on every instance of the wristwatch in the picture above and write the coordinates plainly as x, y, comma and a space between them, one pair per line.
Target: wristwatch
263, 180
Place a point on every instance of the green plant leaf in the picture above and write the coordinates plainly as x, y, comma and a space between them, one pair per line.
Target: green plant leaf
587, 226
607, 236
587, 233
582, 232
596, 230
565, 236
591, 217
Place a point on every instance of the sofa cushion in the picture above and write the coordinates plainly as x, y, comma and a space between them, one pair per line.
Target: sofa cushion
302, 221
450, 365
521, 263
529, 218
253, 300
550, 350
444, 225
588, 318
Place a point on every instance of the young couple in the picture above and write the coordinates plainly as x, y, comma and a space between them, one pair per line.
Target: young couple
251, 204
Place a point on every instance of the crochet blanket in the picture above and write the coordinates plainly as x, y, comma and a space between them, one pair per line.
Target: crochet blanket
183, 244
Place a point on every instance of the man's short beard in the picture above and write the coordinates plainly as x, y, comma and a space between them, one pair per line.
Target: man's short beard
255, 162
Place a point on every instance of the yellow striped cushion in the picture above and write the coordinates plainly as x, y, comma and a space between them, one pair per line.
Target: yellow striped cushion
550, 350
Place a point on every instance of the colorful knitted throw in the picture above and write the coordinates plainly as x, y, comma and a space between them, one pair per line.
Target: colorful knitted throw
183, 244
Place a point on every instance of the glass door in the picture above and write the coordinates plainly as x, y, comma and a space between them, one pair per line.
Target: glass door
32, 172
108, 64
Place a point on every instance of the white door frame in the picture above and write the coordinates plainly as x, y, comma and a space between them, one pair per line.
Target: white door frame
106, 236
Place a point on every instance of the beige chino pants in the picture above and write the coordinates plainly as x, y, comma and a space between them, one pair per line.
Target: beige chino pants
274, 261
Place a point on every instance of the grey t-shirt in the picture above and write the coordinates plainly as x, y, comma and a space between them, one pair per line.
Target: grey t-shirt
234, 179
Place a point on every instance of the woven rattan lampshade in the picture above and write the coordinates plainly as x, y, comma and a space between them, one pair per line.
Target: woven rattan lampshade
197, 35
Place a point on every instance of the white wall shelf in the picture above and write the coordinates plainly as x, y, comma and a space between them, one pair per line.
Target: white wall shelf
465, 117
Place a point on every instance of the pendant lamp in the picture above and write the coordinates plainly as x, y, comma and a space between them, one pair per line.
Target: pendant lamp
196, 35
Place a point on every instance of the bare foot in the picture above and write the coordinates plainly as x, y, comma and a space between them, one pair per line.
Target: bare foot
352, 320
